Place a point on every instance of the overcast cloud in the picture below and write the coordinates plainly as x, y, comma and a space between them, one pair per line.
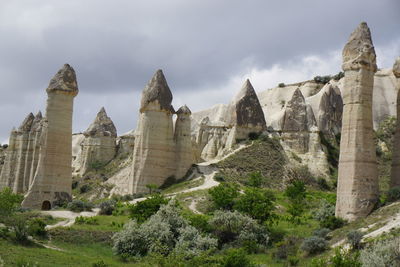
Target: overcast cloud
205, 47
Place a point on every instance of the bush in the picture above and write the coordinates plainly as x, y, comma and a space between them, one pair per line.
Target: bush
77, 205
338, 76
9, 202
332, 222
107, 207
322, 232
354, 239
314, 245
296, 194
281, 85
323, 184
257, 203
236, 258
19, 225
85, 188
322, 79
342, 258
224, 195
383, 253
143, 210
286, 248
164, 232
237, 229
255, 179
37, 227
393, 194
253, 135
200, 222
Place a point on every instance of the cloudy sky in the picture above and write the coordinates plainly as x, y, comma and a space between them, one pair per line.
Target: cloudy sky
206, 49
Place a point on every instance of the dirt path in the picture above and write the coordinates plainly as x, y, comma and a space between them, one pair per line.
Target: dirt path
68, 215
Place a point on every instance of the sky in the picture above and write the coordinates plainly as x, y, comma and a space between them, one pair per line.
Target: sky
206, 49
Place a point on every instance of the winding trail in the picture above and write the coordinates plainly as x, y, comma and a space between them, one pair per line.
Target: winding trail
68, 215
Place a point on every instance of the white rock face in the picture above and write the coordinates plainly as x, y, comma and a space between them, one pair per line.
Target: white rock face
184, 152
99, 144
357, 191
53, 178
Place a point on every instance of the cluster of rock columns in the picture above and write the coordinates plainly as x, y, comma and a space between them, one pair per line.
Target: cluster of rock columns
357, 191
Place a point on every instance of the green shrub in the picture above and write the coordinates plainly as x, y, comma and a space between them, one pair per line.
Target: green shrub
382, 253
236, 258
224, 195
323, 184
314, 245
143, 210
342, 258
85, 188
219, 178
354, 239
9, 202
281, 85
257, 203
322, 232
37, 227
200, 222
286, 248
338, 76
77, 205
393, 194
164, 232
255, 179
332, 222
107, 207
236, 228
253, 135
296, 193
19, 225
322, 79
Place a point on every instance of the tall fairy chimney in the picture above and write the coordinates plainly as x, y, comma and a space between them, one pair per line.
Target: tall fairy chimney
154, 151
53, 179
357, 191
395, 177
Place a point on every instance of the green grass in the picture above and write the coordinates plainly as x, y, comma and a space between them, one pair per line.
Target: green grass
103, 223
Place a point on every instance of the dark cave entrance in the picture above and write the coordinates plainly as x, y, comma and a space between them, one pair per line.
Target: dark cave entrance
46, 205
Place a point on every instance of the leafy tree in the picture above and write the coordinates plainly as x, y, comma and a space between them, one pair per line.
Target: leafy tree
296, 193
9, 202
143, 210
224, 195
236, 258
257, 203
151, 187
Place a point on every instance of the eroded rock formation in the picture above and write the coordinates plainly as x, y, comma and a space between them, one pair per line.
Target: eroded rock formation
183, 140
395, 175
99, 145
53, 178
155, 151
357, 190
20, 161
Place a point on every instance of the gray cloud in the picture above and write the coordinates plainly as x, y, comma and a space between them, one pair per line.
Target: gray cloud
115, 46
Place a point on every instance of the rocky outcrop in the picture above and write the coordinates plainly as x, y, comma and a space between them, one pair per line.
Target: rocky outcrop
99, 145
357, 191
154, 152
53, 178
20, 162
126, 143
395, 175
329, 118
183, 140
248, 116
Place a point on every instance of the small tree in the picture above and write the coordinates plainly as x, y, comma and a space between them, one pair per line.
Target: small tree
151, 187
296, 193
314, 245
257, 203
9, 202
354, 239
224, 195
143, 210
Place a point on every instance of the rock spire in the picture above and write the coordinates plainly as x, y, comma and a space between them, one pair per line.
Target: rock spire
357, 191
395, 175
51, 184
